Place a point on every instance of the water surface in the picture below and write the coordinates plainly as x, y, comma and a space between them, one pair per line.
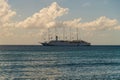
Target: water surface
56, 63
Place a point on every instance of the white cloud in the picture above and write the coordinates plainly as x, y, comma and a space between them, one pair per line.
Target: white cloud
6, 15
44, 18
5, 12
73, 23
102, 23
117, 27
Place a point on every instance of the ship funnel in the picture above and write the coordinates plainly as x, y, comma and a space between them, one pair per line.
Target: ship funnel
56, 38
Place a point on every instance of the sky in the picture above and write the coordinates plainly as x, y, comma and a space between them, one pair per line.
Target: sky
28, 22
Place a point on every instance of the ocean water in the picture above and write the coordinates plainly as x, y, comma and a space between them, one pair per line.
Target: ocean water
59, 63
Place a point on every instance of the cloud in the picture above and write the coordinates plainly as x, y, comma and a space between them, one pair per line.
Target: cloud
5, 12
47, 18
44, 18
73, 23
6, 15
102, 23
117, 27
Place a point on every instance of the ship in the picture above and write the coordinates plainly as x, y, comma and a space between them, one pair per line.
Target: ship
66, 43
59, 42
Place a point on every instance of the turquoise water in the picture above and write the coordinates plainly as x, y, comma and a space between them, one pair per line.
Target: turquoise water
59, 63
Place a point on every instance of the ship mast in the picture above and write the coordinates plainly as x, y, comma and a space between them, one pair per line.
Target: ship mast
63, 33
77, 33
70, 33
56, 32
48, 34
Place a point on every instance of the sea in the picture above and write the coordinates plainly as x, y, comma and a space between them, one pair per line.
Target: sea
35, 62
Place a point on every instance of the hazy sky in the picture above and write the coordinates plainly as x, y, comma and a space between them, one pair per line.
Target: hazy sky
27, 21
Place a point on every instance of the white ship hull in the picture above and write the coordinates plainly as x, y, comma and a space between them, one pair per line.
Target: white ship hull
66, 43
